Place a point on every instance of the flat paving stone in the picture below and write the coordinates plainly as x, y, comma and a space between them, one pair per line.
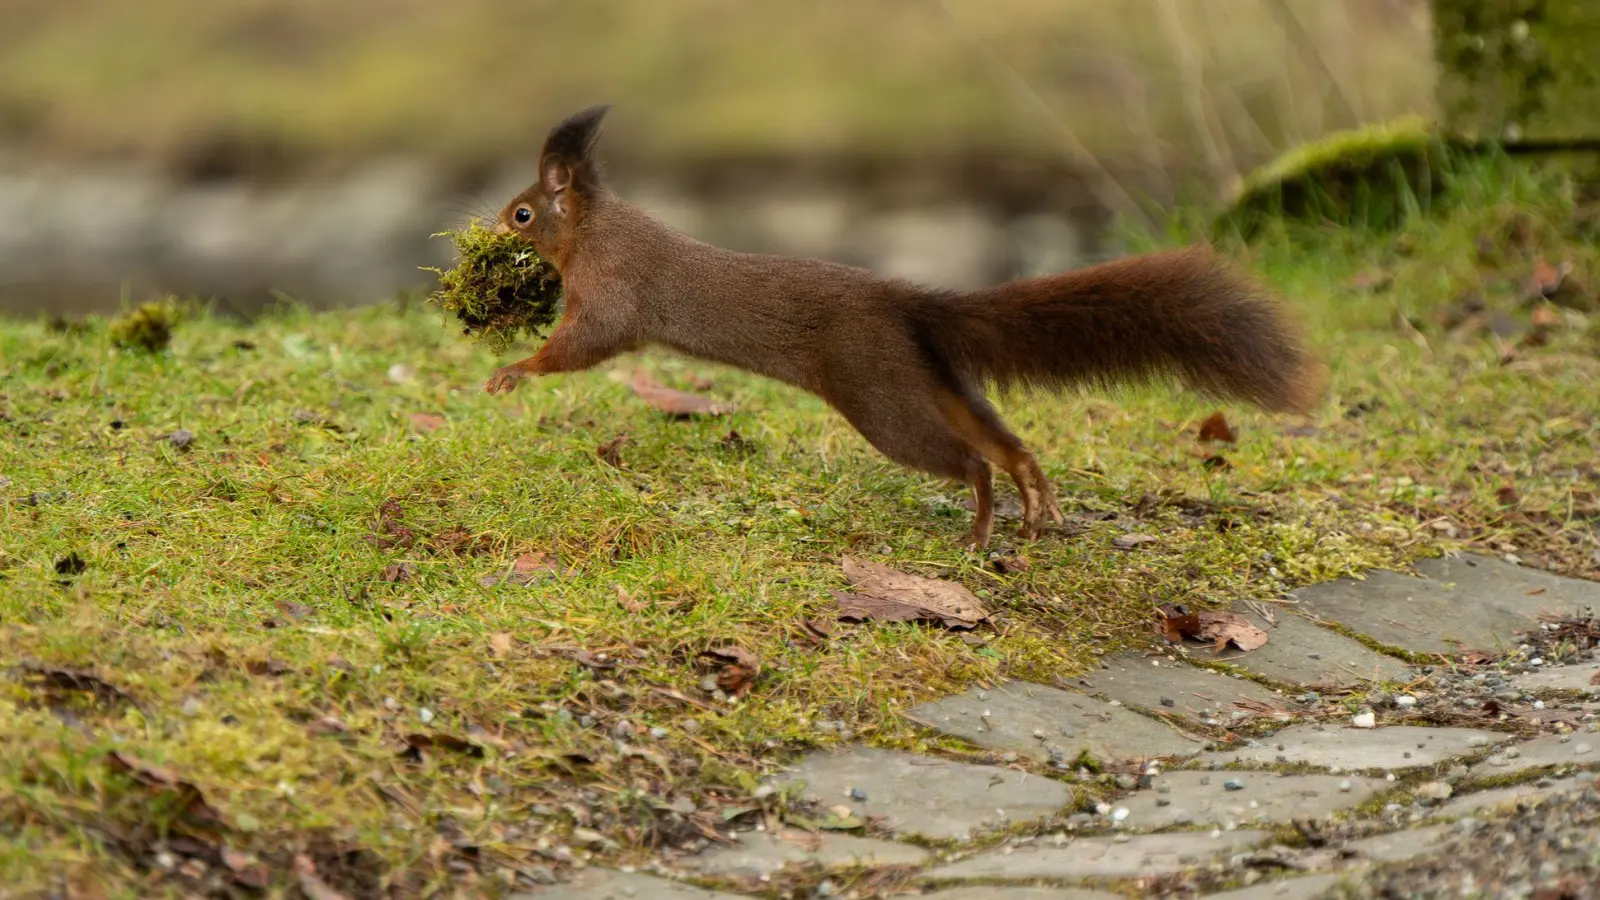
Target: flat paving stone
1205, 798
764, 853
1402, 845
1396, 747
1486, 801
1560, 679
1102, 857
1046, 723
1163, 685
1299, 651
1581, 748
993, 892
607, 884
1307, 888
922, 795
1464, 603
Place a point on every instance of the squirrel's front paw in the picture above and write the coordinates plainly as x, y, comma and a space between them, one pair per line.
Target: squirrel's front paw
504, 380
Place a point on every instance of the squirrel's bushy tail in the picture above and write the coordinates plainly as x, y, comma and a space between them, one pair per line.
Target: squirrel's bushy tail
1180, 312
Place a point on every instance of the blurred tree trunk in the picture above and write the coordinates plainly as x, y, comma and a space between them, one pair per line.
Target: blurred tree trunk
1519, 70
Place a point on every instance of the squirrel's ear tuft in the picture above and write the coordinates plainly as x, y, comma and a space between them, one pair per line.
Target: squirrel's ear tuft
572, 139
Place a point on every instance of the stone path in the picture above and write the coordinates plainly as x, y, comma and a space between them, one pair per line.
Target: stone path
1202, 759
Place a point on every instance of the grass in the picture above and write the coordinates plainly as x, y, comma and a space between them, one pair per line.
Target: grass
332, 687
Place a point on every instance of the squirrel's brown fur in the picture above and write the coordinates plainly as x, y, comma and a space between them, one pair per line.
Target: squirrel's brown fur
904, 364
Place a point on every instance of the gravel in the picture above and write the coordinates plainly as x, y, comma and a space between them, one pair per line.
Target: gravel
1548, 850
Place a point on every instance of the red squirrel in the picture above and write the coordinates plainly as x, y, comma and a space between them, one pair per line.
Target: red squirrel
904, 364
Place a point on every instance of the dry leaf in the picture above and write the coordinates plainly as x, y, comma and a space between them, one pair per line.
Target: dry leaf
267, 667
418, 742
1545, 318
1130, 541
1178, 623
888, 595
1507, 495
390, 532
675, 403
1010, 565
626, 601
39, 675
398, 573
1222, 628
426, 422
739, 668
460, 542
1216, 428
311, 883
163, 778
1212, 626
527, 568
246, 869
500, 644
610, 452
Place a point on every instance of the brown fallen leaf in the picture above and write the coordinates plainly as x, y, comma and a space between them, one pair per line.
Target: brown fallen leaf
1223, 628
398, 573
1177, 622
1011, 564
246, 869
887, 595
418, 742
500, 644
1545, 318
1507, 495
610, 452
267, 667
426, 422
526, 569
1216, 428
162, 778
389, 531
1213, 626
1545, 280
675, 403
626, 601
311, 883
36, 674
458, 541
1130, 541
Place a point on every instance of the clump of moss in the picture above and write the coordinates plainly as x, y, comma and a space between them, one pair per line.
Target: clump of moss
1365, 177
499, 289
147, 327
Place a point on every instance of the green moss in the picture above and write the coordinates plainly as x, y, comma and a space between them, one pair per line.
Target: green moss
499, 289
147, 327
1367, 177
1518, 69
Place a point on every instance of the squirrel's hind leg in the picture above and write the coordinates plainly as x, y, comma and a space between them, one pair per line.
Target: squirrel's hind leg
975, 419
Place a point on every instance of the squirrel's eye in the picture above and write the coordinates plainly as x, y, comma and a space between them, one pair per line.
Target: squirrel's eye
523, 215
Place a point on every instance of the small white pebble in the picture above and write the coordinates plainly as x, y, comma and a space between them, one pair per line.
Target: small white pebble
425, 714
1582, 749
1119, 814
1102, 808
1366, 719
1538, 704
1536, 661
1345, 786
1405, 701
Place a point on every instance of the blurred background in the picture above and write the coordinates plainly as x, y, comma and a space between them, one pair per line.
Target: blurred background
244, 149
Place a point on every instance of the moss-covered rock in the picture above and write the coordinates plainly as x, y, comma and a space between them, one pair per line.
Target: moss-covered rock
499, 289
1367, 176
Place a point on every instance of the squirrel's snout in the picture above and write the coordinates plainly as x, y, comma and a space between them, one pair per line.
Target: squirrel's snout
501, 228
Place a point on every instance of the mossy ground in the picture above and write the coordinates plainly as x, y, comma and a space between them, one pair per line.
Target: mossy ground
278, 636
